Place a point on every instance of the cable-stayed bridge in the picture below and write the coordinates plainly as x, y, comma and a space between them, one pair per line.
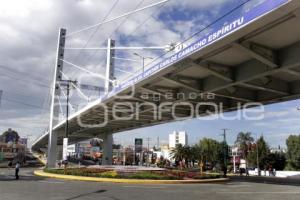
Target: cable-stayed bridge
248, 56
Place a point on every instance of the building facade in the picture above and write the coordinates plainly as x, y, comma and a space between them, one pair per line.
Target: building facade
178, 137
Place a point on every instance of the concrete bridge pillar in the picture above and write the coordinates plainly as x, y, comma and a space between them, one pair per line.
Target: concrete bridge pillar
107, 149
52, 149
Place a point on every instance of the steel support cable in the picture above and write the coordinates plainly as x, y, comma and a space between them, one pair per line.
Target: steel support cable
121, 70
206, 27
148, 18
154, 48
196, 33
98, 27
113, 19
85, 70
60, 106
77, 88
64, 94
126, 18
89, 58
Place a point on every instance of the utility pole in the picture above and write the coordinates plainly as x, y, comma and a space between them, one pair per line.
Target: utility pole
225, 151
65, 141
148, 149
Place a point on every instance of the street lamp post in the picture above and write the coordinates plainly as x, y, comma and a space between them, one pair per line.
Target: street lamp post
143, 60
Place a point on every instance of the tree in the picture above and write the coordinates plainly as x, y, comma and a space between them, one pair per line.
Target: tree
187, 154
195, 154
259, 152
223, 150
244, 141
10, 136
209, 151
293, 151
276, 160
178, 153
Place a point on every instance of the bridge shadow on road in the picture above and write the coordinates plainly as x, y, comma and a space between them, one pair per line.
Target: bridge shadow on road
26, 174
268, 180
22, 178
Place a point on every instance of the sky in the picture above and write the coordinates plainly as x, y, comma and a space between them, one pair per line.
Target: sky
28, 37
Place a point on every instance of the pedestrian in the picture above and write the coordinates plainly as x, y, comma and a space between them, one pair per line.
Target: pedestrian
17, 169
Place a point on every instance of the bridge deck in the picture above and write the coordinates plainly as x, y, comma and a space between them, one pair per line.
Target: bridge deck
258, 62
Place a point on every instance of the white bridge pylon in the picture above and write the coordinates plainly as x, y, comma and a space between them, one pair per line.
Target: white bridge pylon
108, 78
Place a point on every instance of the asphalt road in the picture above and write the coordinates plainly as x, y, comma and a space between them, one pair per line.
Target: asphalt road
30, 187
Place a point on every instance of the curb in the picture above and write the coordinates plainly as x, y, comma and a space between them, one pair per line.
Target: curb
130, 181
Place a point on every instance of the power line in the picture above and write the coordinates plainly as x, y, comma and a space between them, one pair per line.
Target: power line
21, 103
25, 80
16, 93
25, 74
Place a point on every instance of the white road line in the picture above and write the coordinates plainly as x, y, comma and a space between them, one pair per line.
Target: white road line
57, 182
144, 187
237, 186
292, 192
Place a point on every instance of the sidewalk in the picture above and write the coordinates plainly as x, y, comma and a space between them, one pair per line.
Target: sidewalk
267, 179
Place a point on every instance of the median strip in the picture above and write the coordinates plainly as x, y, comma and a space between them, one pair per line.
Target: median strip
131, 181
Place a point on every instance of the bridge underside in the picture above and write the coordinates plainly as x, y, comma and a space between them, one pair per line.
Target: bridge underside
259, 63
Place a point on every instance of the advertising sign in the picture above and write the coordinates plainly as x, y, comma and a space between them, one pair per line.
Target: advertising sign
65, 149
138, 144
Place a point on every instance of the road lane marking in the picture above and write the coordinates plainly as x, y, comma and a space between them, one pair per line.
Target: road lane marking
144, 187
58, 182
291, 192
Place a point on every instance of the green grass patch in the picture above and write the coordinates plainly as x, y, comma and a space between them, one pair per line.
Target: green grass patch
111, 174
168, 175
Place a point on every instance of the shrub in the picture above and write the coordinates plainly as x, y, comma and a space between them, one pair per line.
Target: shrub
113, 174
207, 176
149, 175
109, 174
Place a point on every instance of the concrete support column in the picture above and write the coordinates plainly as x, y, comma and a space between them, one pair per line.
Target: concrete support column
52, 149
107, 149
